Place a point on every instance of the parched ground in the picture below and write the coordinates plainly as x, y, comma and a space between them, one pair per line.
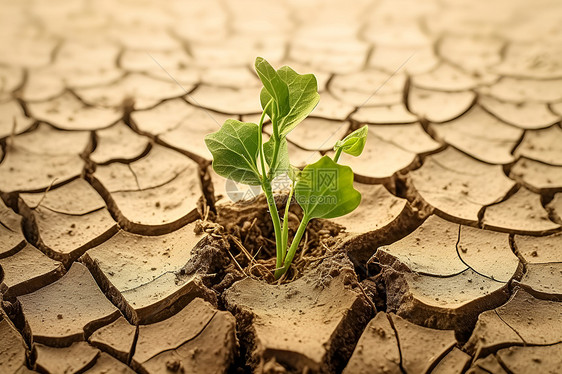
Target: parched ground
451, 264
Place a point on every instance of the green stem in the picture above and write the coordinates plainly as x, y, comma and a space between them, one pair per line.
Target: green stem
276, 223
275, 125
266, 186
276, 146
294, 247
260, 139
285, 234
338, 154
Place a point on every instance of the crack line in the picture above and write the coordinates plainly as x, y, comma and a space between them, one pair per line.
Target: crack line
470, 267
397, 343
508, 325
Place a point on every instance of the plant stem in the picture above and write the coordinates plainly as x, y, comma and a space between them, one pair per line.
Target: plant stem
266, 186
276, 146
293, 249
285, 234
276, 223
275, 125
338, 154
260, 137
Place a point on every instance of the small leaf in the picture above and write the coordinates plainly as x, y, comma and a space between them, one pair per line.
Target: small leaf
303, 98
354, 143
325, 190
235, 151
282, 163
274, 86
294, 173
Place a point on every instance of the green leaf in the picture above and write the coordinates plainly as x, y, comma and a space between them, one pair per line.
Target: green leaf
325, 190
282, 163
303, 98
274, 86
354, 143
294, 173
235, 151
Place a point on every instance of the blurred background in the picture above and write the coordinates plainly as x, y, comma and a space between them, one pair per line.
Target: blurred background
77, 44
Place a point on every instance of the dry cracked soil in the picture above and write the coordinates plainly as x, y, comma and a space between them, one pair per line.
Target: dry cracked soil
121, 251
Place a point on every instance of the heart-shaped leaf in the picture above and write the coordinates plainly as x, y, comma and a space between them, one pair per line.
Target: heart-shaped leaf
354, 143
235, 150
325, 190
303, 98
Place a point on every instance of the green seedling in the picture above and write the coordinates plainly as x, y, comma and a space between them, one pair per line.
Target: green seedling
323, 189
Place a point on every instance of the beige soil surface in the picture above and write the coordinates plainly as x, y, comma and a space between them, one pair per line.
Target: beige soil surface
121, 250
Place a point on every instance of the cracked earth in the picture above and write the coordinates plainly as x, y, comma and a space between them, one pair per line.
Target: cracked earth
121, 252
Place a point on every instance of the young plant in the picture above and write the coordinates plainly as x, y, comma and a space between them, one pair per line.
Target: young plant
323, 189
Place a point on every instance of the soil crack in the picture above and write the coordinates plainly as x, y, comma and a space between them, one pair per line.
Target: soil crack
195, 336
400, 364
468, 266
133, 346
508, 325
